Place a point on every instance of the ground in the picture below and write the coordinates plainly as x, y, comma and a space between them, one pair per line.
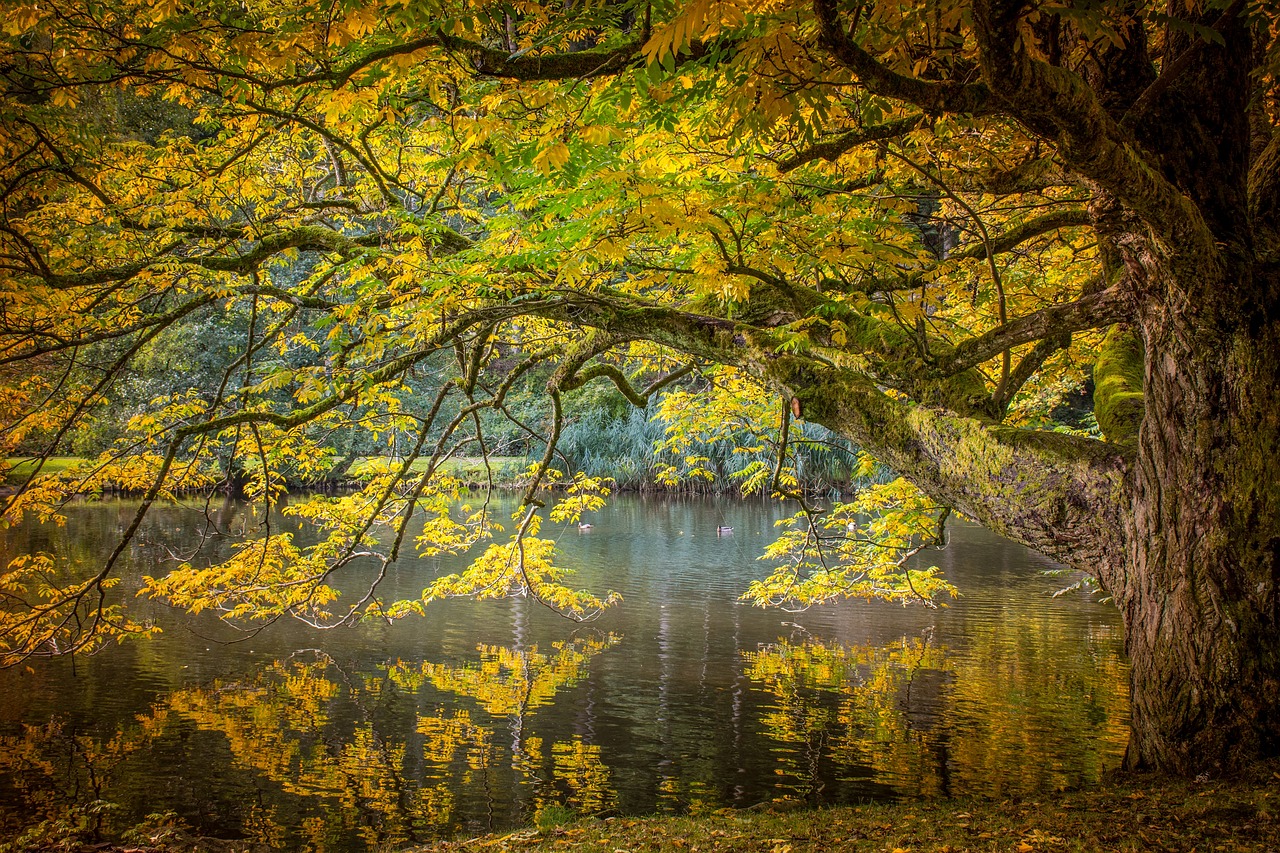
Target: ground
1131, 814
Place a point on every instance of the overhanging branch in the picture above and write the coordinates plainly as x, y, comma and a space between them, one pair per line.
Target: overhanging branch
1057, 104
640, 398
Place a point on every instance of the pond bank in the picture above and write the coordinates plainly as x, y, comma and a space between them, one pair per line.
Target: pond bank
1130, 813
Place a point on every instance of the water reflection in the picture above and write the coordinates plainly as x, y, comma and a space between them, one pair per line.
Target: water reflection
935, 722
479, 715
309, 754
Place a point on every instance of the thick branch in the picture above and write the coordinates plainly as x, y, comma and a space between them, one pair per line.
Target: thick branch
1094, 311
1264, 192
560, 66
1032, 228
1056, 493
640, 398
1059, 494
1174, 69
964, 98
1056, 103
1027, 367
303, 238
833, 148
1117, 393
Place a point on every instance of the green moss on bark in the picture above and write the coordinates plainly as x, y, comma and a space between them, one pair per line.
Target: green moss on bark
1117, 393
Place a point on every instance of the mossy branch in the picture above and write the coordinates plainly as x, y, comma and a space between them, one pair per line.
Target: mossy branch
1056, 103
1096, 310
639, 398
1029, 230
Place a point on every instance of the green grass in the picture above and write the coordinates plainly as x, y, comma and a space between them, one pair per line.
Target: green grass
18, 468
470, 468
1136, 813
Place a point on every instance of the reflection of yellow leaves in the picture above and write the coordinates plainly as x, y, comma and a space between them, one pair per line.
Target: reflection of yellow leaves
510, 681
280, 725
579, 766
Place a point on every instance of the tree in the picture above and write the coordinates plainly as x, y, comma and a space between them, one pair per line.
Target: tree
915, 224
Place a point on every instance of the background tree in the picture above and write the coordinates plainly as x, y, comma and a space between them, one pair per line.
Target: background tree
915, 224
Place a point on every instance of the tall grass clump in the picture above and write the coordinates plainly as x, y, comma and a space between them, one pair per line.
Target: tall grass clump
621, 444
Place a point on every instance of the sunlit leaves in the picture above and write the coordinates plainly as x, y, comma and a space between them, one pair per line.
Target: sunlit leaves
43, 607
860, 549
264, 579
734, 410
383, 213
582, 494
523, 566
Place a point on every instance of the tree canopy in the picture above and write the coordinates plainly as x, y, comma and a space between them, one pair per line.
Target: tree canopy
918, 224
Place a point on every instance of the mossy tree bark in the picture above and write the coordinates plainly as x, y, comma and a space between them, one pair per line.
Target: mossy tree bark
1195, 561
1202, 553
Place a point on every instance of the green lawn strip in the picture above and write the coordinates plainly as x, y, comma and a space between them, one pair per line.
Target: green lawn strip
471, 469
18, 468
1138, 814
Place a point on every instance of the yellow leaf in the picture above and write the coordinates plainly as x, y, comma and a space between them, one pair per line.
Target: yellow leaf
551, 158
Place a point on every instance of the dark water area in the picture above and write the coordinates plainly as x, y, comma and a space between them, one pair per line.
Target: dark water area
473, 718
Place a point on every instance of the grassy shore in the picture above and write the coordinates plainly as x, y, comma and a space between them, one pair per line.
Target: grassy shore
1130, 814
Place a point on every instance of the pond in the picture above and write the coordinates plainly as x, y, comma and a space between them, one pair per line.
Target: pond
679, 699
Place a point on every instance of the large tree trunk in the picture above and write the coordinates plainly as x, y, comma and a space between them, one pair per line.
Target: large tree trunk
1202, 574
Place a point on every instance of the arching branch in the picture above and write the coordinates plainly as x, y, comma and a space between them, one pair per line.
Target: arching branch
1028, 230
640, 398
1057, 104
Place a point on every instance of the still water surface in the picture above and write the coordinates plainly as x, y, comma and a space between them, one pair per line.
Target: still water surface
678, 699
